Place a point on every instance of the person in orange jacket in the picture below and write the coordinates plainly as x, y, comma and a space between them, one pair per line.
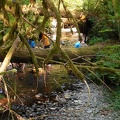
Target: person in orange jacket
44, 40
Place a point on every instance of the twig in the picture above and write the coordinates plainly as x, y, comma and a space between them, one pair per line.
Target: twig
28, 22
101, 81
10, 71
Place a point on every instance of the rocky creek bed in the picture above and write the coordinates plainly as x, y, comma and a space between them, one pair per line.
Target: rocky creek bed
73, 104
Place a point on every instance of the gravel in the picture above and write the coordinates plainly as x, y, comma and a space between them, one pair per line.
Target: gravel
73, 104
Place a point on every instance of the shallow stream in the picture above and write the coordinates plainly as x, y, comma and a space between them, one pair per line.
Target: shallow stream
26, 84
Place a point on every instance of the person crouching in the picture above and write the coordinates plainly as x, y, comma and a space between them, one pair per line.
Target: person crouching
45, 43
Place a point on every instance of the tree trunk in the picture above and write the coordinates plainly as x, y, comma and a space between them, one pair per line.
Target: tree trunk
7, 58
23, 55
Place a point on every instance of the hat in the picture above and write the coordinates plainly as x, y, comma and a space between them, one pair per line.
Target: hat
82, 17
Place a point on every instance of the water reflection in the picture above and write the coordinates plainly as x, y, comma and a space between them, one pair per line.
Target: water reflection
27, 84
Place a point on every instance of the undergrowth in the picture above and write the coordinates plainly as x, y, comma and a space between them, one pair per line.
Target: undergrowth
114, 101
95, 40
109, 57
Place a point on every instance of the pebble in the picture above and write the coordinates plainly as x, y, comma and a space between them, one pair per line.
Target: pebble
52, 108
89, 111
67, 95
71, 105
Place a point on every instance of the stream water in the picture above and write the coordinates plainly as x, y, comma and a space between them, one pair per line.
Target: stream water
27, 84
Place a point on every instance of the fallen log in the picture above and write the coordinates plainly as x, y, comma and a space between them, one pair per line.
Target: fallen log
23, 56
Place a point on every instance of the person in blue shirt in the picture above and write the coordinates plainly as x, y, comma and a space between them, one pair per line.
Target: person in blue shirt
31, 43
78, 44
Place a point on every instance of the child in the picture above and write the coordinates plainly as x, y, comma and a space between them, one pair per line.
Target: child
78, 44
31, 43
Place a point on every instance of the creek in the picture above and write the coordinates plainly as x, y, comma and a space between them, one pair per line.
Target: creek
64, 97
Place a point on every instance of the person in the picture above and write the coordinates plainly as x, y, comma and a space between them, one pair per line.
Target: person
31, 43
44, 40
85, 26
78, 44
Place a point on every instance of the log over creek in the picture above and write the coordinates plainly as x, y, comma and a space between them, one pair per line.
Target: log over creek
23, 56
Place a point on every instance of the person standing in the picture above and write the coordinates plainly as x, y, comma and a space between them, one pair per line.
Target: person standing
85, 26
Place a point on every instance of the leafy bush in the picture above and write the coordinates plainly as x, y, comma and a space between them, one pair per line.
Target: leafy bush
111, 56
94, 40
111, 59
114, 100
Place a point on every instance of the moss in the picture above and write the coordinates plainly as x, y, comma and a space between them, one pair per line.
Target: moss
1, 96
58, 76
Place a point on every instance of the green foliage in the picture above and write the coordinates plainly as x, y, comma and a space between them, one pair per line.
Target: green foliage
93, 78
2, 96
111, 58
25, 2
95, 39
114, 100
106, 14
108, 57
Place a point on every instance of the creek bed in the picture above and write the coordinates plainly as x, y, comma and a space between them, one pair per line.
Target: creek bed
69, 101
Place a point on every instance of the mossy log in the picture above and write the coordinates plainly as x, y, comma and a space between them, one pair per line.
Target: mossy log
23, 56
